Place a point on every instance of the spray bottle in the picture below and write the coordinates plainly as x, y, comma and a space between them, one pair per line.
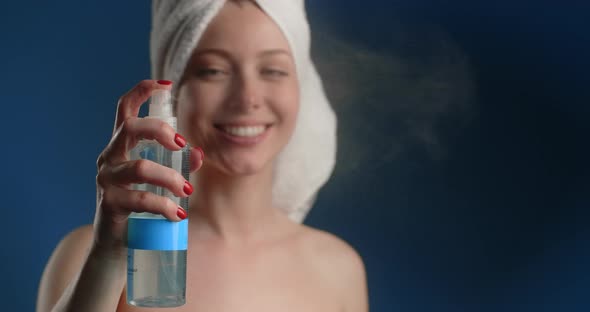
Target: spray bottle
156, 258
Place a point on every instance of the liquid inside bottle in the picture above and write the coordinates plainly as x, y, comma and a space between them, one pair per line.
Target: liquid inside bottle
156, 259
156, 278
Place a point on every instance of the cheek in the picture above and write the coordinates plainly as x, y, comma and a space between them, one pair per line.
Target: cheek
292, 110
184, 111
198, 99
289, 107
194, 111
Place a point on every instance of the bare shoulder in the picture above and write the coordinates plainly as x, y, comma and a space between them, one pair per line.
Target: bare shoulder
328, 248
339, 265
63, 265
80, 235
76, 243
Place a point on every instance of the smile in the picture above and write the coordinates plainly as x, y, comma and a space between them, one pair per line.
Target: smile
250, 131
243, 134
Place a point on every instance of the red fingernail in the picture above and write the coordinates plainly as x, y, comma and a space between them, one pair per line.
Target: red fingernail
179, 140
181, 213
165, 82
188, 188
202, 153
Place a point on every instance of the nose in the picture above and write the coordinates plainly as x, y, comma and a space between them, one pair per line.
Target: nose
246, 93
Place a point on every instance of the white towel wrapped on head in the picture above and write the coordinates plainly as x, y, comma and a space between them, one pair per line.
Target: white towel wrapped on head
308, 160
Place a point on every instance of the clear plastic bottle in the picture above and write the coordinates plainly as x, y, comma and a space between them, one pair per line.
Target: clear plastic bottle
156, 259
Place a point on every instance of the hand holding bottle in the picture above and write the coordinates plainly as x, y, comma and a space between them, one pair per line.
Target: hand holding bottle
116, 199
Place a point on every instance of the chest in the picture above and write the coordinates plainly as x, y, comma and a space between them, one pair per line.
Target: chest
270, 281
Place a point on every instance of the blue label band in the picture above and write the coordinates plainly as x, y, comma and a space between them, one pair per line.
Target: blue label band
157, 234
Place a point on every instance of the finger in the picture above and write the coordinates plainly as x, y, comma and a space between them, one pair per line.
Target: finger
135, 129
129, 104
119, 201
146, 171
197, 158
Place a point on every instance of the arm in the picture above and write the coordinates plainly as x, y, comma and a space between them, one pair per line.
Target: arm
355, 292
79, 277
341, 265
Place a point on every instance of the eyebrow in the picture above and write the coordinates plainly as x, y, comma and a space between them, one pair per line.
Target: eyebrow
226, 54
273, 52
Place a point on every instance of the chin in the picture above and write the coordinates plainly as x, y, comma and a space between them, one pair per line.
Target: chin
244, 170
243, 167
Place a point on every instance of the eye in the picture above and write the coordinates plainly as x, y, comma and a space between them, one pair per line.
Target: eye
210, 72
274, 73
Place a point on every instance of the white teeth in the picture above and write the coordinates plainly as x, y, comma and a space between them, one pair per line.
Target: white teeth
244, 131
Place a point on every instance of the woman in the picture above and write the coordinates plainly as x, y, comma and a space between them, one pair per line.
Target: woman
241, 96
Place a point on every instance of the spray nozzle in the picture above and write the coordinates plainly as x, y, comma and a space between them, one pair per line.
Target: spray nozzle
161, 104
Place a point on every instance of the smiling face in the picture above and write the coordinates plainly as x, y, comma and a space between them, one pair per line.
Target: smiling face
239, 95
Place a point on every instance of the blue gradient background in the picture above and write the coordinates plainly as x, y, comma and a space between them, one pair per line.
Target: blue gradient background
500, 222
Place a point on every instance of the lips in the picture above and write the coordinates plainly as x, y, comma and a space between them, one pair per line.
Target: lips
245, 134
247, 131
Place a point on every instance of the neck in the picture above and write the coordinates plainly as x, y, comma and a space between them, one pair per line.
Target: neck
233, 209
